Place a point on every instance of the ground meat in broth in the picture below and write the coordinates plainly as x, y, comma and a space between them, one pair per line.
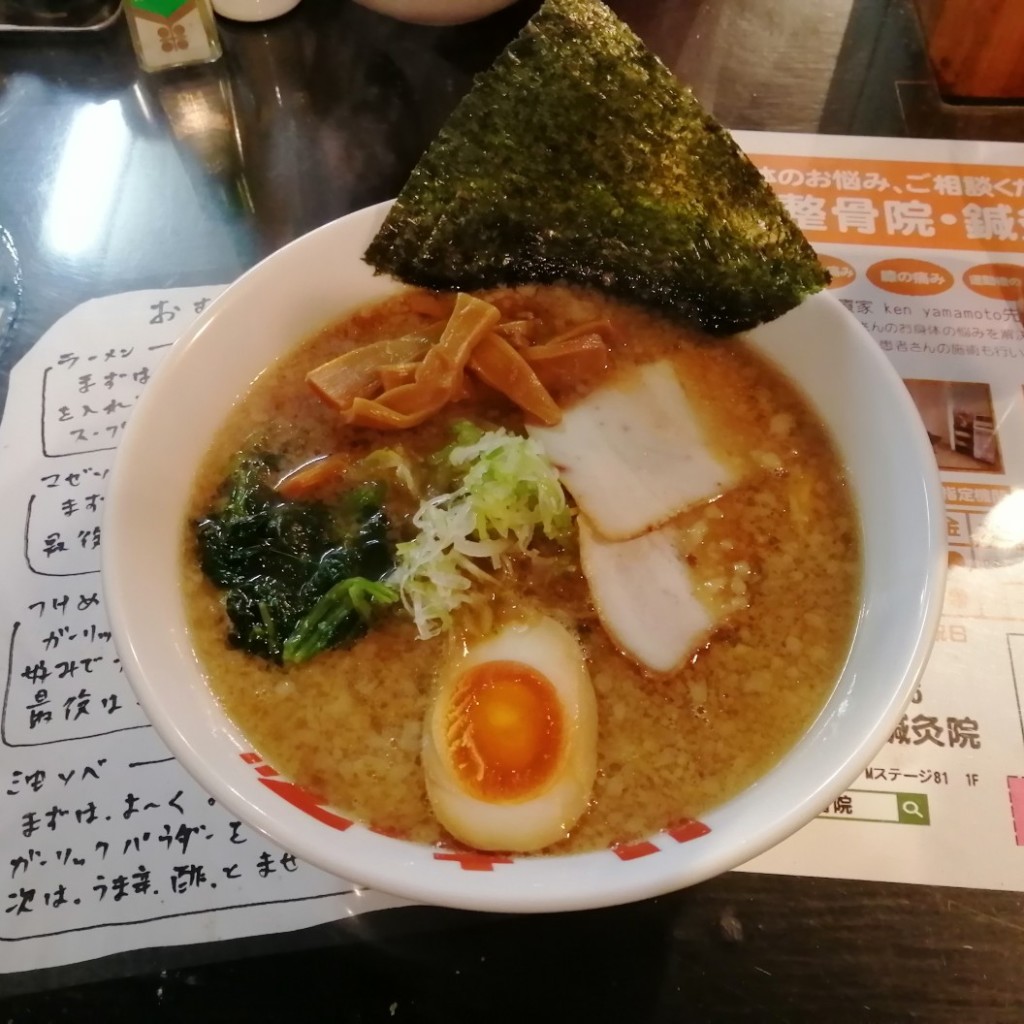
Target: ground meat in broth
348, 723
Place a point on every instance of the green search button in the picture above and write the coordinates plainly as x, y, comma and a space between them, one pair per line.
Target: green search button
912, 809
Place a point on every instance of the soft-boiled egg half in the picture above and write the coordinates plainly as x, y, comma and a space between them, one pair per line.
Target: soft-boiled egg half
510, 741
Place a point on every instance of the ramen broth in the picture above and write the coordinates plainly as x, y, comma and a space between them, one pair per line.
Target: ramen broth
785, 543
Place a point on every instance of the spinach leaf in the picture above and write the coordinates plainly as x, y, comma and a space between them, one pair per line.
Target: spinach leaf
341, 614
277, 560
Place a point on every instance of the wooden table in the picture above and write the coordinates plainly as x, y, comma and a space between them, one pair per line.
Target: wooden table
323, 112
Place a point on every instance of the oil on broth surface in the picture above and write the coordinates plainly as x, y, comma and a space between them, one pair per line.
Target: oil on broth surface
348, 724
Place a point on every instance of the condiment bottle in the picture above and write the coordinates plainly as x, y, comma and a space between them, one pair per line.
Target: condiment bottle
171, 33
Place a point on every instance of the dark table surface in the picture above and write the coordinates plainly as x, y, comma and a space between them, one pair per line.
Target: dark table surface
322, 112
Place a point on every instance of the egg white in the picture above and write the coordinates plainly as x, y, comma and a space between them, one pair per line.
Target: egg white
548, 814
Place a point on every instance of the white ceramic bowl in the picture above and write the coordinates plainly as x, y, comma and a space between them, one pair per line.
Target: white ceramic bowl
318, 278
253, 10
436, 12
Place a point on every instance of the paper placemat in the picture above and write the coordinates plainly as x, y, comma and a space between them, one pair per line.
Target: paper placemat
925, 240
106, 843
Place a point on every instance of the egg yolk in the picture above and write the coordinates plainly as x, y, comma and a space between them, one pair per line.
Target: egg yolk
504, 730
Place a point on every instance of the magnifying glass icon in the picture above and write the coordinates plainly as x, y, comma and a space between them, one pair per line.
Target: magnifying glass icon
911, 807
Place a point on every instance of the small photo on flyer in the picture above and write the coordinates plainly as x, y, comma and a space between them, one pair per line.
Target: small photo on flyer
960, 423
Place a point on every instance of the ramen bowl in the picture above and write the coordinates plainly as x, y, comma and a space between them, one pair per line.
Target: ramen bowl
315, 280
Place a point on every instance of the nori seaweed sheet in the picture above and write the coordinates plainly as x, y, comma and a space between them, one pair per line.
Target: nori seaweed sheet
579, 157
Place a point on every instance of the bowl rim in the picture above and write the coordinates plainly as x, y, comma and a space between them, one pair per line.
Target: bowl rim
389, 864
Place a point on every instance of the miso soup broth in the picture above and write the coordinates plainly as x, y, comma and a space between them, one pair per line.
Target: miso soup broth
775, 558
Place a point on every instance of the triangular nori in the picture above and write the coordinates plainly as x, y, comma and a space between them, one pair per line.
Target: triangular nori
579, 156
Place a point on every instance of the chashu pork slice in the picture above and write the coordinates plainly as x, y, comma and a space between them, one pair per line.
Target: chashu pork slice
644, 596
632, 452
